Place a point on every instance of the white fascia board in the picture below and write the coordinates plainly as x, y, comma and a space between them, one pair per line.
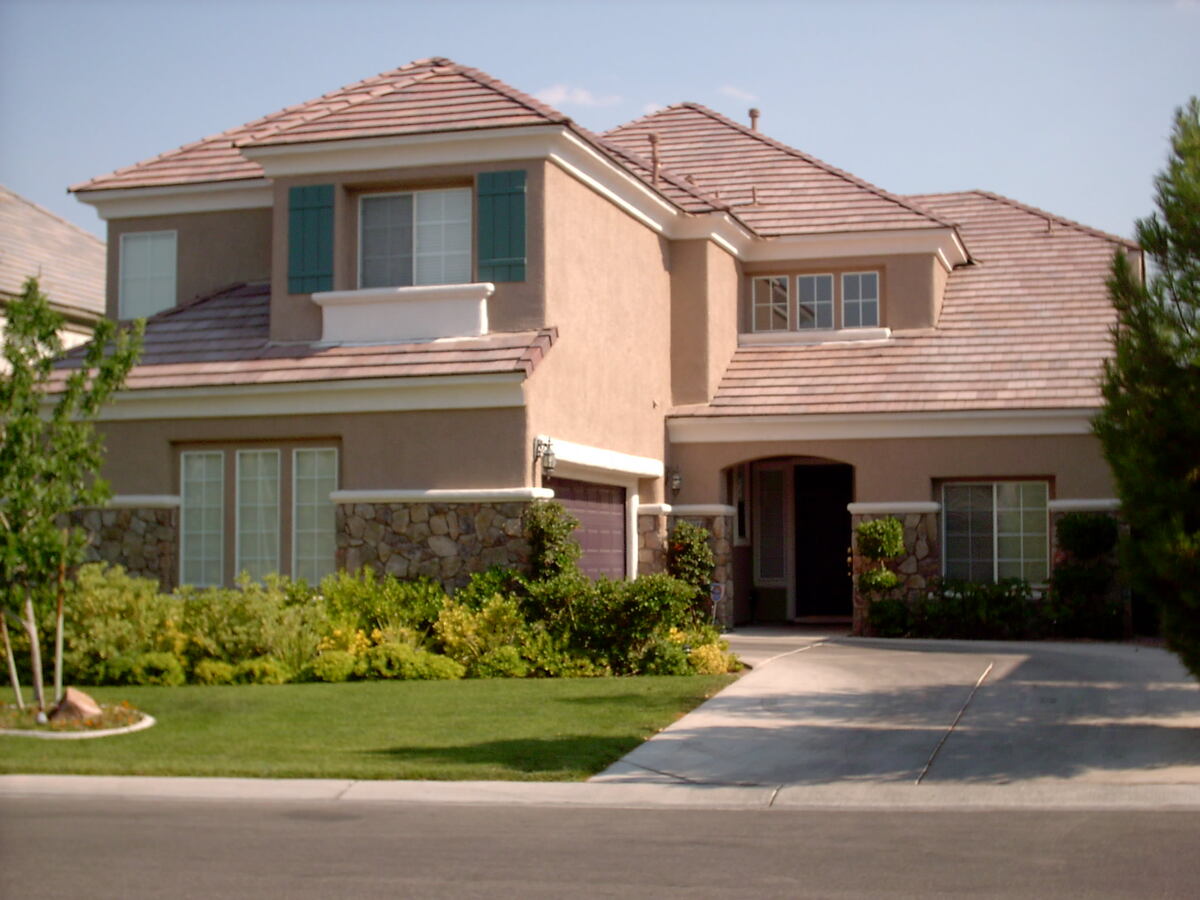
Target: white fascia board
815, 336
896, 507
596, 458
144, 501
703, 509
405, 151
943, 242
718, 227
1106, 504
211, 196
443, 495
865, 426
317, 397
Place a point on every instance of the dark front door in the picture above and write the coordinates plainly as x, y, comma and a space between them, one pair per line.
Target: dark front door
823, 586
600, 509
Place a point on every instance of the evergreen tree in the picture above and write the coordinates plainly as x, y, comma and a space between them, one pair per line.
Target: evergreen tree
49, 458
1150, 425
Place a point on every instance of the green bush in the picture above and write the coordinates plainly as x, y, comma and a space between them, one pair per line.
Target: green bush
878, 580
1087, 536
880, 539
232, 624
552, 550
619, 621
713, 659
482, 586
466, 635
666, 657
261, 670
113, 616
383, 603
1085, 601
980, 611
500, 662
213, 671
159, 668
690, 558
334, 666
403, 661
550, 656
889, 617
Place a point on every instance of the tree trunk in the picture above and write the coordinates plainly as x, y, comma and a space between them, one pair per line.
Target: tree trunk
12, 662
35, 654
58, 627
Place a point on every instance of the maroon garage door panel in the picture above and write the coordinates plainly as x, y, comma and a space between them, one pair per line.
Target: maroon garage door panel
600, 509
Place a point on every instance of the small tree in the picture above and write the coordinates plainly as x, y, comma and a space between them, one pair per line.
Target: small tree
690, 558
48, 464
1150, 424
878, 541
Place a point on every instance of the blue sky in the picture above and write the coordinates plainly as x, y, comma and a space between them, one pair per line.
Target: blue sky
1064, 105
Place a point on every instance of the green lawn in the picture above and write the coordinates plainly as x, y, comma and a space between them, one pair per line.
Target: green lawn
512, 729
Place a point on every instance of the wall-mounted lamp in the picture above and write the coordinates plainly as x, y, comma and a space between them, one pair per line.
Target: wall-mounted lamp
676, 482
543, 449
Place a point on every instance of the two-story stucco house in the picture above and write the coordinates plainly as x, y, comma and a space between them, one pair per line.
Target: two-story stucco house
383, 321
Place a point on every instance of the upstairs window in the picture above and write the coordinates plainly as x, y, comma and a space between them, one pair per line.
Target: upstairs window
147, 273
414, 238
821, 302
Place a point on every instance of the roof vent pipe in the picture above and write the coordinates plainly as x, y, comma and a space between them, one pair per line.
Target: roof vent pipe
654, 155
754, 114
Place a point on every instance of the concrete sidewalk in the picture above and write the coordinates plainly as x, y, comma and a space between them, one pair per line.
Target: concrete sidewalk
843, 710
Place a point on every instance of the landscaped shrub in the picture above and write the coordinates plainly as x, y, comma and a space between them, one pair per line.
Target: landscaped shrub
262, 670
232, 624
690, 558
467, 635
550, 656
382, 602
889, 617
713, 659
879, 540
552, 551
159, 668
1005, 610
619, 621
333, 666
484, 585
666, 657
114, 616
213, 671
500, 662
1085, 601
405, 662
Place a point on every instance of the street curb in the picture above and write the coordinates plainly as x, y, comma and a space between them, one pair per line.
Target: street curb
1066, 795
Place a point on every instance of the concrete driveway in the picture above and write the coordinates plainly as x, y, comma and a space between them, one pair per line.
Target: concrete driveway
823, 708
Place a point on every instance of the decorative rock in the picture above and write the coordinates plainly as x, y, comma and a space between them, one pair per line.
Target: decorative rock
75, 706
439, 525
443, 546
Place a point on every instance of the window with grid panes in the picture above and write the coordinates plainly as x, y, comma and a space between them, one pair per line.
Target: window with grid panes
996, 530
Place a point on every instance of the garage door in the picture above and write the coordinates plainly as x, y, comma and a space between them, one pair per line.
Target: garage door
600, 509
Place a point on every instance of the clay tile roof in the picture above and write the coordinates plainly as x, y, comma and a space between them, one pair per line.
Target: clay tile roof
68, 261
775, 189
1026, 326
223, 340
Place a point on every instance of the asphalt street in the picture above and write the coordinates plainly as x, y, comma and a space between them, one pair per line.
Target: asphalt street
56, 847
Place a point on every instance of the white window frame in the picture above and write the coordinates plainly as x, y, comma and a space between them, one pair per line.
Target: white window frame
166, 284
770, 304
239, 565
833, 302
416, 279
878, 304
296, 451
183, 532
996, 533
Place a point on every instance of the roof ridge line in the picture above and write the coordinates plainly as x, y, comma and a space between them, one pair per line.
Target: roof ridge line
1046, 214
528, 101
812, 160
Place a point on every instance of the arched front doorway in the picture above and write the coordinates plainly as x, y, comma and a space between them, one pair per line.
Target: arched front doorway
794, 520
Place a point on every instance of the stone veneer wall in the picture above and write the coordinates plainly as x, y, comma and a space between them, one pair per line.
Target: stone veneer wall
922, 560
653, 532
444, 541
144, 540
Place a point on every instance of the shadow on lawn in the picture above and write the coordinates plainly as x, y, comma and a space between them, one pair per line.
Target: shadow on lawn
562, 754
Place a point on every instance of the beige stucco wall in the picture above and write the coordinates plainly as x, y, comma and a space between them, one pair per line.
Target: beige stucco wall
910, 290
474, 448
607, 380
905, 469
705, 286
515, 306
213, 250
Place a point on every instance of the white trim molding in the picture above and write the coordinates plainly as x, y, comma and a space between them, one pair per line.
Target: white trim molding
1108, 504
813, 336
209, 196
898, 507
315, 397
443, 495
703, 509
654, 509
585, 456
388, 314
940, 241
144, 501
860, 426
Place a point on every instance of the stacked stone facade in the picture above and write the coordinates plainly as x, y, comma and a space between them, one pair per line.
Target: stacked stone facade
144, 540
921, 562
447, 542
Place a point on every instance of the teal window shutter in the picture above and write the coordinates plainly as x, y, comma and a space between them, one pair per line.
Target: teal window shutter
501, 225
310, 239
